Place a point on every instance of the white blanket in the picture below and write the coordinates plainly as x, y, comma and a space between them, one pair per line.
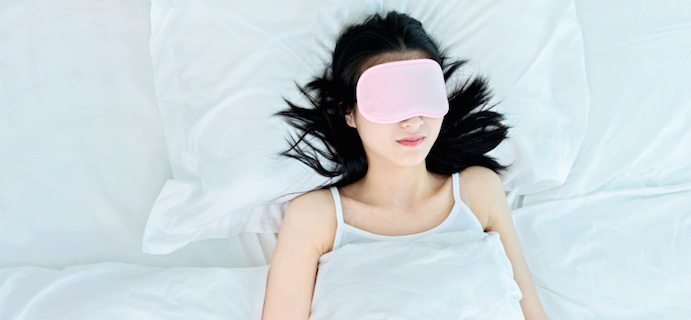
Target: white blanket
123, 291
615, 255
454, 275
464, 275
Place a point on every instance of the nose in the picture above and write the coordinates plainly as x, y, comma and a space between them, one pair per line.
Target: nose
413, 122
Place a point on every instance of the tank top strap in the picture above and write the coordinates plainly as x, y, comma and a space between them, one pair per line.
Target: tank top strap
339, 217
461, 196
460, 192
456, 191
337, 200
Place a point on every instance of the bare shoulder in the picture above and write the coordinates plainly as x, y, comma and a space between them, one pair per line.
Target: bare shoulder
312, 216
485, 192
482, 175
314, 198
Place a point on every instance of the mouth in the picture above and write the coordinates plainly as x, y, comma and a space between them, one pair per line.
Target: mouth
411, 141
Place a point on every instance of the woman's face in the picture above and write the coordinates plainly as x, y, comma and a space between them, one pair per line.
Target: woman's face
383, 142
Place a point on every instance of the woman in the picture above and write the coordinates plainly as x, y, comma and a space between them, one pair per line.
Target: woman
403, 162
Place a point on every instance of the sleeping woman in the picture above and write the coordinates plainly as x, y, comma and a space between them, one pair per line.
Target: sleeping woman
405, 150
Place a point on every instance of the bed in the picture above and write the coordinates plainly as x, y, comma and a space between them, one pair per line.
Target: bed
138, 173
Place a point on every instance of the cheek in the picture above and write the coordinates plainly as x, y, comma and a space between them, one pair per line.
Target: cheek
374, 135
438, 124
435, 125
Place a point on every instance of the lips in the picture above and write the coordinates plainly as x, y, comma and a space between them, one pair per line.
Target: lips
412, 138
412, 141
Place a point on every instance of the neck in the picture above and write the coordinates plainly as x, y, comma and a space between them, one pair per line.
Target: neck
401, 188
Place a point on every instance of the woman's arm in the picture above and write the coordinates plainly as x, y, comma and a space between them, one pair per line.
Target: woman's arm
303, 238
487, 194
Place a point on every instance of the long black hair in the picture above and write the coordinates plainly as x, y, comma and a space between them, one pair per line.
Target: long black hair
469, 130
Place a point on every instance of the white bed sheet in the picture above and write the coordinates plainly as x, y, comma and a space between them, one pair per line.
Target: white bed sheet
638, 65
83, 158
613, 241
124, 291
611, 255
116, 291
82, 149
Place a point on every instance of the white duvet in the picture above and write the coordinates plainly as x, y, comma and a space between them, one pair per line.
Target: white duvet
460, 275
453, 275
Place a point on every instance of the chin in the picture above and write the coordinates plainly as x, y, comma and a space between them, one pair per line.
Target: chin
410, 161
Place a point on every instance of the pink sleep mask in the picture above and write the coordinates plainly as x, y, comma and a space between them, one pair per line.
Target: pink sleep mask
394, 91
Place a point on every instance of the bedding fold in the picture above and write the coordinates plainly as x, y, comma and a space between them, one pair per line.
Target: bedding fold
457, 274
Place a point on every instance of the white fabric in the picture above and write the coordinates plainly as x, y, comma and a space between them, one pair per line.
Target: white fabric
613, 241
83, 156
469, 267
221, 69
451, 275
123, 291
82, 150
638, 66
611, 255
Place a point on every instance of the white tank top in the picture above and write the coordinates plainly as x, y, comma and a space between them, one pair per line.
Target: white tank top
460, 218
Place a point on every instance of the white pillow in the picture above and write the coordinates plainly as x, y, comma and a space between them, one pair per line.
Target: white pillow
639, 125
220, 71
453, 275
82, 149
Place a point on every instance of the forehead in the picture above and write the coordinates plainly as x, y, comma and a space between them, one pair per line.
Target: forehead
391, 57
